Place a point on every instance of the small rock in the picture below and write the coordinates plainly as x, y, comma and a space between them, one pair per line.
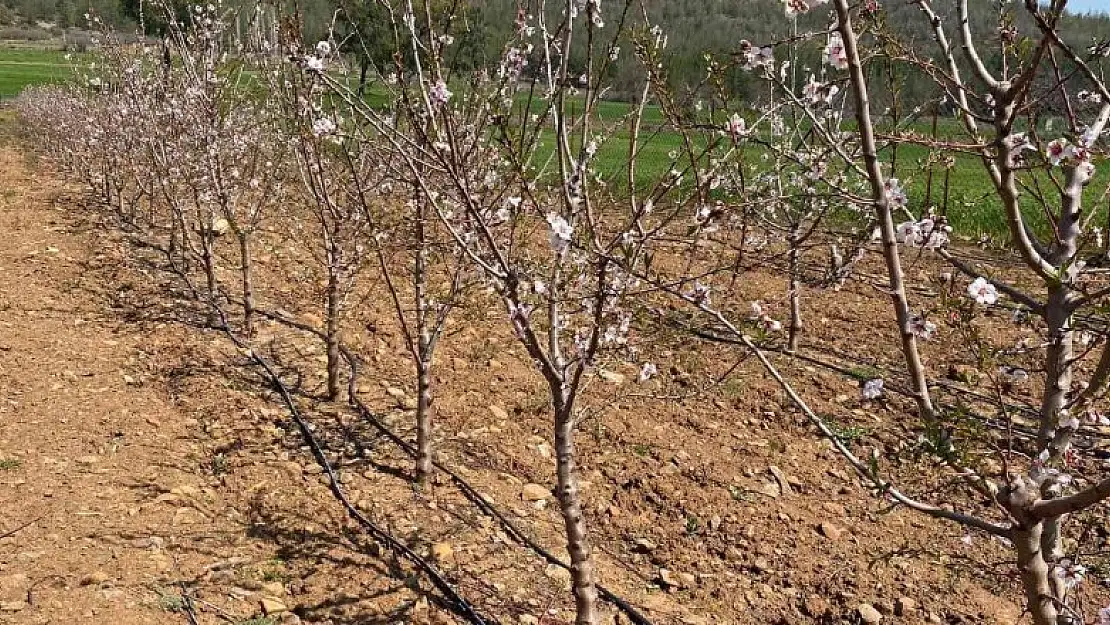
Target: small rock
904, 606
499, 413
12, 606
781, 479
769, 489
868, 614
534, 492
98, 577
668, 579
272, 605
273, 588
528, 619
643, 545
687, 580
87, 460
830, 531
611, 376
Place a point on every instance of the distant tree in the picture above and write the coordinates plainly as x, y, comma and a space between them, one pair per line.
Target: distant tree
366, 31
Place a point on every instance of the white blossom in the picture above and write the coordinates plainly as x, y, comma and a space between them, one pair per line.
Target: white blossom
982, 292
872, 389
561, 231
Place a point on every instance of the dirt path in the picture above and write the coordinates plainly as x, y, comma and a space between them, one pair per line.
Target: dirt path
94, 460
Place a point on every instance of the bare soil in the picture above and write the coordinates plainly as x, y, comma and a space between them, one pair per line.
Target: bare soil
148, 473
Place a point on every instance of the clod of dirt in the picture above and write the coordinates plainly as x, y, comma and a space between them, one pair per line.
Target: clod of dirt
95, 578
904, 606
830, 531
443, 552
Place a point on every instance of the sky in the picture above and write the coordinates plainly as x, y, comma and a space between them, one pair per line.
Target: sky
1084, 6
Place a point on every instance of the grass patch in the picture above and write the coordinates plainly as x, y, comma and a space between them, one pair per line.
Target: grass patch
20, 68
846, 433
10, 464
170, 601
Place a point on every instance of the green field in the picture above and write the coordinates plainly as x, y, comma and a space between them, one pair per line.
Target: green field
973, 207
20, 67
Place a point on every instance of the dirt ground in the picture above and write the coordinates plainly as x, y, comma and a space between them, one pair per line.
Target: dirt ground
148, 474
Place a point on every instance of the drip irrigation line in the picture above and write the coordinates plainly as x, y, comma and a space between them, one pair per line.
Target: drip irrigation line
471, 493
19, 528
1023, 430
454, 599
476, 498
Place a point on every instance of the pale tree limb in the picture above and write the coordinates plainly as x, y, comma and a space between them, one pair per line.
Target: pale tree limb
881, 203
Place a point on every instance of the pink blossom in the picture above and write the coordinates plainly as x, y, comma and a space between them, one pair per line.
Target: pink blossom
439, 93
836, 54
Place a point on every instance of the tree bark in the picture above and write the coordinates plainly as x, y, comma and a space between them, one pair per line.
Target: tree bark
893, 259
331, 335
246, 274
795, 296
1058, 371
578, 545
423, 419
209, 272
1035, 575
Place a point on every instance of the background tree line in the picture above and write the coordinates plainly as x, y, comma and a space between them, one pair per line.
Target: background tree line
695, 29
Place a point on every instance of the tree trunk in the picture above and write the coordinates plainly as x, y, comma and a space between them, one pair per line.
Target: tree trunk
1035, 575
364, 67
332, 335
1058, 370
578, 545
897, 288
423, 418
795, 296
209, 274
248, 283
423, 345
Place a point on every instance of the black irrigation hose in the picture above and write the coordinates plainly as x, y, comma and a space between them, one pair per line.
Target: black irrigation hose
468, 491
476, 498
1018, 428
458, 604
